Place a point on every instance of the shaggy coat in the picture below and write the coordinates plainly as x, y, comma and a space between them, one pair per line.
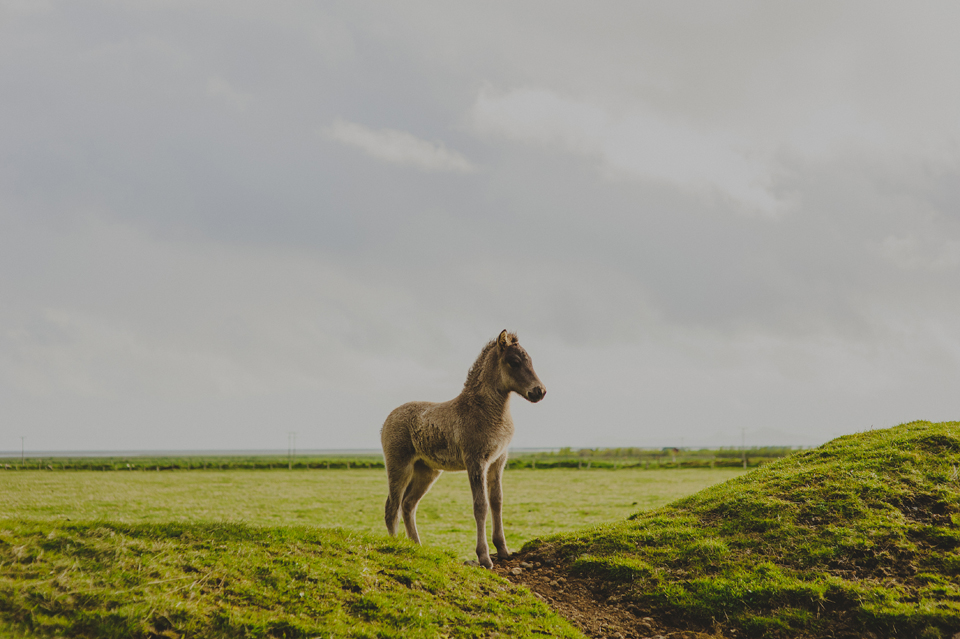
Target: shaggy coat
470, 432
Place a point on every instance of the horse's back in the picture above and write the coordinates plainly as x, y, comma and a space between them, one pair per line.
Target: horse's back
425, 430
401, 421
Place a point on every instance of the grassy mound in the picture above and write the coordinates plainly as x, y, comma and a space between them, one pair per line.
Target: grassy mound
858, 538
102, 579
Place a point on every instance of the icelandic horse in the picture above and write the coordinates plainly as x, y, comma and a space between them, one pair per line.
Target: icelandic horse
470, 432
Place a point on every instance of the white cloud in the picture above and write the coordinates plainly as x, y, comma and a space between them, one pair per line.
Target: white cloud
913, 253
640, 144
220, 88
399, 147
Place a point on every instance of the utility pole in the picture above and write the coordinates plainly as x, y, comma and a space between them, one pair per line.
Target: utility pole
743, 448
291, 448
21, 451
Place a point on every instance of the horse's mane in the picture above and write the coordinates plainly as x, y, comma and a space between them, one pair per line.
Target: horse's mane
475, 374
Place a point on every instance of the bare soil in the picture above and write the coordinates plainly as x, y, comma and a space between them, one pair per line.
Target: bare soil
601, 609
590, 604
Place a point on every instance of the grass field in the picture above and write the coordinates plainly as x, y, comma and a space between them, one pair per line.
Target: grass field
858, 538
283, 554
537, 503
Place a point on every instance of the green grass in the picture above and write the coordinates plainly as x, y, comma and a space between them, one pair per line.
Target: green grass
862, 534
114, 580
859, 536
538, 502
228, 553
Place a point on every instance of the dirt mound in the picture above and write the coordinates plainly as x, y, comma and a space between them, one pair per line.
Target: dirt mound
591, 605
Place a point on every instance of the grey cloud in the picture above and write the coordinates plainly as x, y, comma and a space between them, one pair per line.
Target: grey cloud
398, 147
640, 145
185, 260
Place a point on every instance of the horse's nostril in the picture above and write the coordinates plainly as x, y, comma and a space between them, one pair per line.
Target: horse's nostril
536, 394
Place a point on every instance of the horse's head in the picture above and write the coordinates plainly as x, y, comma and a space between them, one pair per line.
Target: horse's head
516, 369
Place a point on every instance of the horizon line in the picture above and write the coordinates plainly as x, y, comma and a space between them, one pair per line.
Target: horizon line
281, 452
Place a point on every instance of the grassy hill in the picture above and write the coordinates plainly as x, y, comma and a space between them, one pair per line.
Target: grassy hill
101, 579
858, 538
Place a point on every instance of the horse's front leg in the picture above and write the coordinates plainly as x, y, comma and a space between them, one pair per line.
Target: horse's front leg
478, 486
495, 483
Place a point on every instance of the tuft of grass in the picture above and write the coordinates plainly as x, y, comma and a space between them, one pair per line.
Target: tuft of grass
861, 534
109, 579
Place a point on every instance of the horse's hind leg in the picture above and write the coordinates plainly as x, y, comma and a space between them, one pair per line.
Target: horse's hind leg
495, 487
477, 474
423, 478
398, 478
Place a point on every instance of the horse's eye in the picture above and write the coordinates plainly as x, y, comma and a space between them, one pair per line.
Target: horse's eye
513, 363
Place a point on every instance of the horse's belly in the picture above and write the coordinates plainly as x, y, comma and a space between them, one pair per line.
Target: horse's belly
443, 464
441, 458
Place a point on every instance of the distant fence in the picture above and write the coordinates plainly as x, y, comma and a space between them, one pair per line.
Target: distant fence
644, 465
588, 459
199, 463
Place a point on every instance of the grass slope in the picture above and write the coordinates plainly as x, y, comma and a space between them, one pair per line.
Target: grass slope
857, 538
102, 579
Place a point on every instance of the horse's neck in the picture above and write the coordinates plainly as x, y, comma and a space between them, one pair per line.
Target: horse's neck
492, 401
483, 391
496, 403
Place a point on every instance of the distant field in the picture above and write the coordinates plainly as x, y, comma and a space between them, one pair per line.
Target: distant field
537, 502
611, 458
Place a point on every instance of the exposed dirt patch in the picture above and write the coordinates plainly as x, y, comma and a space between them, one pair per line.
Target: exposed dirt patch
589, 604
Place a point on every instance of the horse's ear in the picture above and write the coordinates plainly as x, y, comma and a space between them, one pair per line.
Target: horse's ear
504, 340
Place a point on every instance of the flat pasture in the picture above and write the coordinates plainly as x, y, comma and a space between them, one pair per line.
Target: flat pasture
537, 502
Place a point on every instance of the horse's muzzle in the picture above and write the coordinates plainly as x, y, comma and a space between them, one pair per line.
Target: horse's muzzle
536, 394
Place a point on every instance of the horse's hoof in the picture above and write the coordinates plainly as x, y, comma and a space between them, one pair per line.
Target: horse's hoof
486, 563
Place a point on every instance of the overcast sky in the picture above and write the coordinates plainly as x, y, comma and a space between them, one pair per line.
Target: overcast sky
221, 222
